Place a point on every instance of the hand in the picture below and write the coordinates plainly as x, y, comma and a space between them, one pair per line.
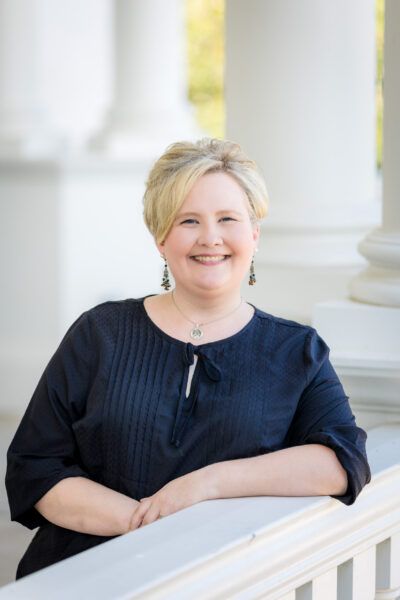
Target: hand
174, 496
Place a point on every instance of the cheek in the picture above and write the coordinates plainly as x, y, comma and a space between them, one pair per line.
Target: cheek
177, 245
243, 240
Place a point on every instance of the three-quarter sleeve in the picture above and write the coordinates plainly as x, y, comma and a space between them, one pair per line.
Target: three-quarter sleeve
324, 416
43, 451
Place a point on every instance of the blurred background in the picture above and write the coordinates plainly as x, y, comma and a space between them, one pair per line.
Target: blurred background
92, 92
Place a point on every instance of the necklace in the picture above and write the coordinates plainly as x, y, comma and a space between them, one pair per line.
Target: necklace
196, 332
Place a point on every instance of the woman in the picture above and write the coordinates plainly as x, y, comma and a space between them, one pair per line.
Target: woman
154, 404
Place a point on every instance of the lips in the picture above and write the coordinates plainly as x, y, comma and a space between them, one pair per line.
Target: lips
210, 259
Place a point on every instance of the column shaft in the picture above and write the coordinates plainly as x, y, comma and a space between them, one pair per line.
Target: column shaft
391, 122
22, 107
301, 100
150, 96
379, 283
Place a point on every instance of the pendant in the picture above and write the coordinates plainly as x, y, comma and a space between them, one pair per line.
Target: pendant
196, 333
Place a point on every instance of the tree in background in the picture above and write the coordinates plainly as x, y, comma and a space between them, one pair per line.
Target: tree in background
205, 40
380, 6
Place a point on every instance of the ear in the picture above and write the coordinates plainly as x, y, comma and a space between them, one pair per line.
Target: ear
256, 232
160, 247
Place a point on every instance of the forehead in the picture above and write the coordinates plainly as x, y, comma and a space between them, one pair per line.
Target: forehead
216, 190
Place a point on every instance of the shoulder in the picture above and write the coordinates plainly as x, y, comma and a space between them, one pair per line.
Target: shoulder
293, 343
284, 326
105, 319
114, 308
285, 334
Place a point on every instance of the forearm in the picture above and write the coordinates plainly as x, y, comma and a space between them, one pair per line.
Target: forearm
85, 506
309, 470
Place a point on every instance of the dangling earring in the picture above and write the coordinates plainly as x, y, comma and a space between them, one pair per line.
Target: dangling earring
252, 278
165, 281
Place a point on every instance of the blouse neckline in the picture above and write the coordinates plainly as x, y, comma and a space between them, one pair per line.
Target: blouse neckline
173, 340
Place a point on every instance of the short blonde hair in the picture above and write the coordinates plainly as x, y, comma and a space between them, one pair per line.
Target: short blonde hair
175, 172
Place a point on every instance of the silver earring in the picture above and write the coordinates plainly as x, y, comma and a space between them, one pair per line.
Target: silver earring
166, 284
252, 278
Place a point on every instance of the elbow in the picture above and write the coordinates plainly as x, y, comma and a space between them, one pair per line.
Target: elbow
334, 486
44, 505
49, 504
336, 482
340, 483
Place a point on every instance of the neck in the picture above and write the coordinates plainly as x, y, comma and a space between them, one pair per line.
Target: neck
203, 308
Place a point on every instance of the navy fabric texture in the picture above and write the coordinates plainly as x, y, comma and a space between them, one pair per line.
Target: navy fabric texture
112, 406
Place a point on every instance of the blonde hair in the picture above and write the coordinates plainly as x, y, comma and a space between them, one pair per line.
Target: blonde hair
175, 172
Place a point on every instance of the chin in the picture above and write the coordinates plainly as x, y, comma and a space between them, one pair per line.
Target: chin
213, 286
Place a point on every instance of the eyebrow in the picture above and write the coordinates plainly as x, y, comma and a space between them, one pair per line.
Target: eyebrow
219, 212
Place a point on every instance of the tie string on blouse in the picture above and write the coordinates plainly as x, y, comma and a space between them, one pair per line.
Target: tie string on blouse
213, 373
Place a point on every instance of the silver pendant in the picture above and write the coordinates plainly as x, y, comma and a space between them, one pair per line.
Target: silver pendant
196, 333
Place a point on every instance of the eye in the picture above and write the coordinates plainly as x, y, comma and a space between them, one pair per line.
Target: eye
194, 221
188, 221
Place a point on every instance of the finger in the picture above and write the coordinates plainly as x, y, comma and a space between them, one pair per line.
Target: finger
151, 515
138, 515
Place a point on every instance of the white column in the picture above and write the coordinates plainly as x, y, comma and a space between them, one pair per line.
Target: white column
24, 130
363, 332
49, 51
301, 100
150, 96
379, 283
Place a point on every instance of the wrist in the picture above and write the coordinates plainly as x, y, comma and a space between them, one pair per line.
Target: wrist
209, 484
128, 516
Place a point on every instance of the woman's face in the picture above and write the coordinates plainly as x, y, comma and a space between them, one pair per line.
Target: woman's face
212, 240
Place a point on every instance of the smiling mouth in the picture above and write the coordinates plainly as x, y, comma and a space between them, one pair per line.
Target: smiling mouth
210, 259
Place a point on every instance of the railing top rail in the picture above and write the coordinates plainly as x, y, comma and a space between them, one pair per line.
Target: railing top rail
221, 540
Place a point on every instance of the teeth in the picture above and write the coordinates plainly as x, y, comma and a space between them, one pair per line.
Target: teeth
209, 258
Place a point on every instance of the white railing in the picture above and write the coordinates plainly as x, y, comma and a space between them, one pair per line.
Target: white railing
245, 548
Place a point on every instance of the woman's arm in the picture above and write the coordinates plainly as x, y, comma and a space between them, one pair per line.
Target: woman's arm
309, 470
85, 506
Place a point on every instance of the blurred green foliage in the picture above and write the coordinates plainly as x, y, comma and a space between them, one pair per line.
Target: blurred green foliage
380, 10
205, 40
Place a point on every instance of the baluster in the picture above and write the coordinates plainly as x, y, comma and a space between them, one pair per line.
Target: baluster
356, 577
324, 587
364, 575
388, 569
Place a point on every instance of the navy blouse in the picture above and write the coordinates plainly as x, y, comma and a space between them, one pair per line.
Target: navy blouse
112, 406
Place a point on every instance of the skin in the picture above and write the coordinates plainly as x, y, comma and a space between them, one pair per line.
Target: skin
310, 470
214, 219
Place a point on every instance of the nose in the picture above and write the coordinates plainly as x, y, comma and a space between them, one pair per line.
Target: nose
210, 235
